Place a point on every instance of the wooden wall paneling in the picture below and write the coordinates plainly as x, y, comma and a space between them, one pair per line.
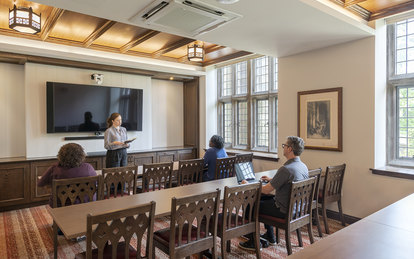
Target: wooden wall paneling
96, 162
18, 179
14, 184
187, 154
37, 169
191, 114
167, 156
142, 158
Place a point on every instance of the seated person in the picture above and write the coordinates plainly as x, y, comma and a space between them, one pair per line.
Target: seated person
70, 165
277, 205
215, 151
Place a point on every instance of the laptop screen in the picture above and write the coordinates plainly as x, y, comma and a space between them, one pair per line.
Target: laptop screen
244, 171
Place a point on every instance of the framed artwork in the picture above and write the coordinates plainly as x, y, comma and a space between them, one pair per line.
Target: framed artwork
320, 118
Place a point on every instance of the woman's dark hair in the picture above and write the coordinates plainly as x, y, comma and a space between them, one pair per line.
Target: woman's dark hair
71, 155
111, 118
217, 141
297, 144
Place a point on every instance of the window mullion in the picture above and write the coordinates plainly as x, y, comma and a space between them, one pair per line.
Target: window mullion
249, 105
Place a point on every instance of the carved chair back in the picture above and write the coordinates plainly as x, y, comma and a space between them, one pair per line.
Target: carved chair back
332, 187
190, 171
156, 176
240, 215
299, 212
190, 224
114, 232
242, 158
120, 181
317, 174
76, 190
331, 191
225, 167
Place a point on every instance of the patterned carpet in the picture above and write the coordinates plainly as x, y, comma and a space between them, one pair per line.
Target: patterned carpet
27, 233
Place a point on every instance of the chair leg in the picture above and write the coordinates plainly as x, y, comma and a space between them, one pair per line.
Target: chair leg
223, 248
153, 250
325, 218
318, 224
257, 244
277, 236
55, 240
299, 237
288, 244
310, 233
340, 212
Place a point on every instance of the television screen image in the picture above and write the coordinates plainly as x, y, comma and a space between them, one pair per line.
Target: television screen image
85, 108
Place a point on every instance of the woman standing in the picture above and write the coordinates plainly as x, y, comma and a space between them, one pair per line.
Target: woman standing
114, 142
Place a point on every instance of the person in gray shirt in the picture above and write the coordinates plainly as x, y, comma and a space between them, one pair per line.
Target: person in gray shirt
114, 141
277, 205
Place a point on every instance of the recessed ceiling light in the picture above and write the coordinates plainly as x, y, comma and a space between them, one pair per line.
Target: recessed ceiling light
227, 1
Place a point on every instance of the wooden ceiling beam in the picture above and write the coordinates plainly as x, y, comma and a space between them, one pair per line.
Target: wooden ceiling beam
214, 48
50, 22
352, 2
98, 33
23, 58
140, 39
392, 10
225, 58
172, 46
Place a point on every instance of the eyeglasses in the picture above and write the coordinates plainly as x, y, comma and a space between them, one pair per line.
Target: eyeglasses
285, 145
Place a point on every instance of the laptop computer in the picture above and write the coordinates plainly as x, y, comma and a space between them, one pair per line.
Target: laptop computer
244, 171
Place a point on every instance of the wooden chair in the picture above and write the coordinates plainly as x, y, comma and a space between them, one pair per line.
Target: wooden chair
240, 215
119, 181
190, 224
331, 191
242, 158
299, 212
190, 171
113, 233
315, 213
69, 191
225, 167
156, 177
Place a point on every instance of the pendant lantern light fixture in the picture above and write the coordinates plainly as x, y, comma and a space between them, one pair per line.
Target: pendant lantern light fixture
24, 20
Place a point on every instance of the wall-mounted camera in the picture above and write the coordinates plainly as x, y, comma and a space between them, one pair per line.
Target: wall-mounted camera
98, 78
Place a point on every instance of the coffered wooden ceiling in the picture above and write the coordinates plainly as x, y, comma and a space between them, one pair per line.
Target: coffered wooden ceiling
376, 9
75, 29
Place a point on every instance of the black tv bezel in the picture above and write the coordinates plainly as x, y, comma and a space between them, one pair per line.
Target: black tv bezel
50, 105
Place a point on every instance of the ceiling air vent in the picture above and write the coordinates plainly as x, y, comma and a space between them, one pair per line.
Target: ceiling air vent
183, 16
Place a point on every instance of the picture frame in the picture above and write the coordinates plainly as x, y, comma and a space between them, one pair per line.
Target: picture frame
320, 118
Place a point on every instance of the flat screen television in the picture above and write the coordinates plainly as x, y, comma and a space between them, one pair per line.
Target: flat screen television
85, 108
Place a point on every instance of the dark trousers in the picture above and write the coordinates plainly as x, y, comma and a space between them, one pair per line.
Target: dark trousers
268, 207
116, 158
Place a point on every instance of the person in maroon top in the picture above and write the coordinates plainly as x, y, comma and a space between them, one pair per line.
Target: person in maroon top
70, 164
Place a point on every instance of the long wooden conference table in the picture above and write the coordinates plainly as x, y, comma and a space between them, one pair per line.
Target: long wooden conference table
388, 233
72, 219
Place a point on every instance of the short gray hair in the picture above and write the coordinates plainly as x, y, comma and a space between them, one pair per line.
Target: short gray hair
297, 144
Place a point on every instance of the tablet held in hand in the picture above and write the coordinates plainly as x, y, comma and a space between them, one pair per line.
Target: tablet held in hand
129, 140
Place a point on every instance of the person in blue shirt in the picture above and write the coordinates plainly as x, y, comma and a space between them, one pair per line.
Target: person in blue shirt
215, 151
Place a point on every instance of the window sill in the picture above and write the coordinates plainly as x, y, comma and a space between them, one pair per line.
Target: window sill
256, 155
392, 171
